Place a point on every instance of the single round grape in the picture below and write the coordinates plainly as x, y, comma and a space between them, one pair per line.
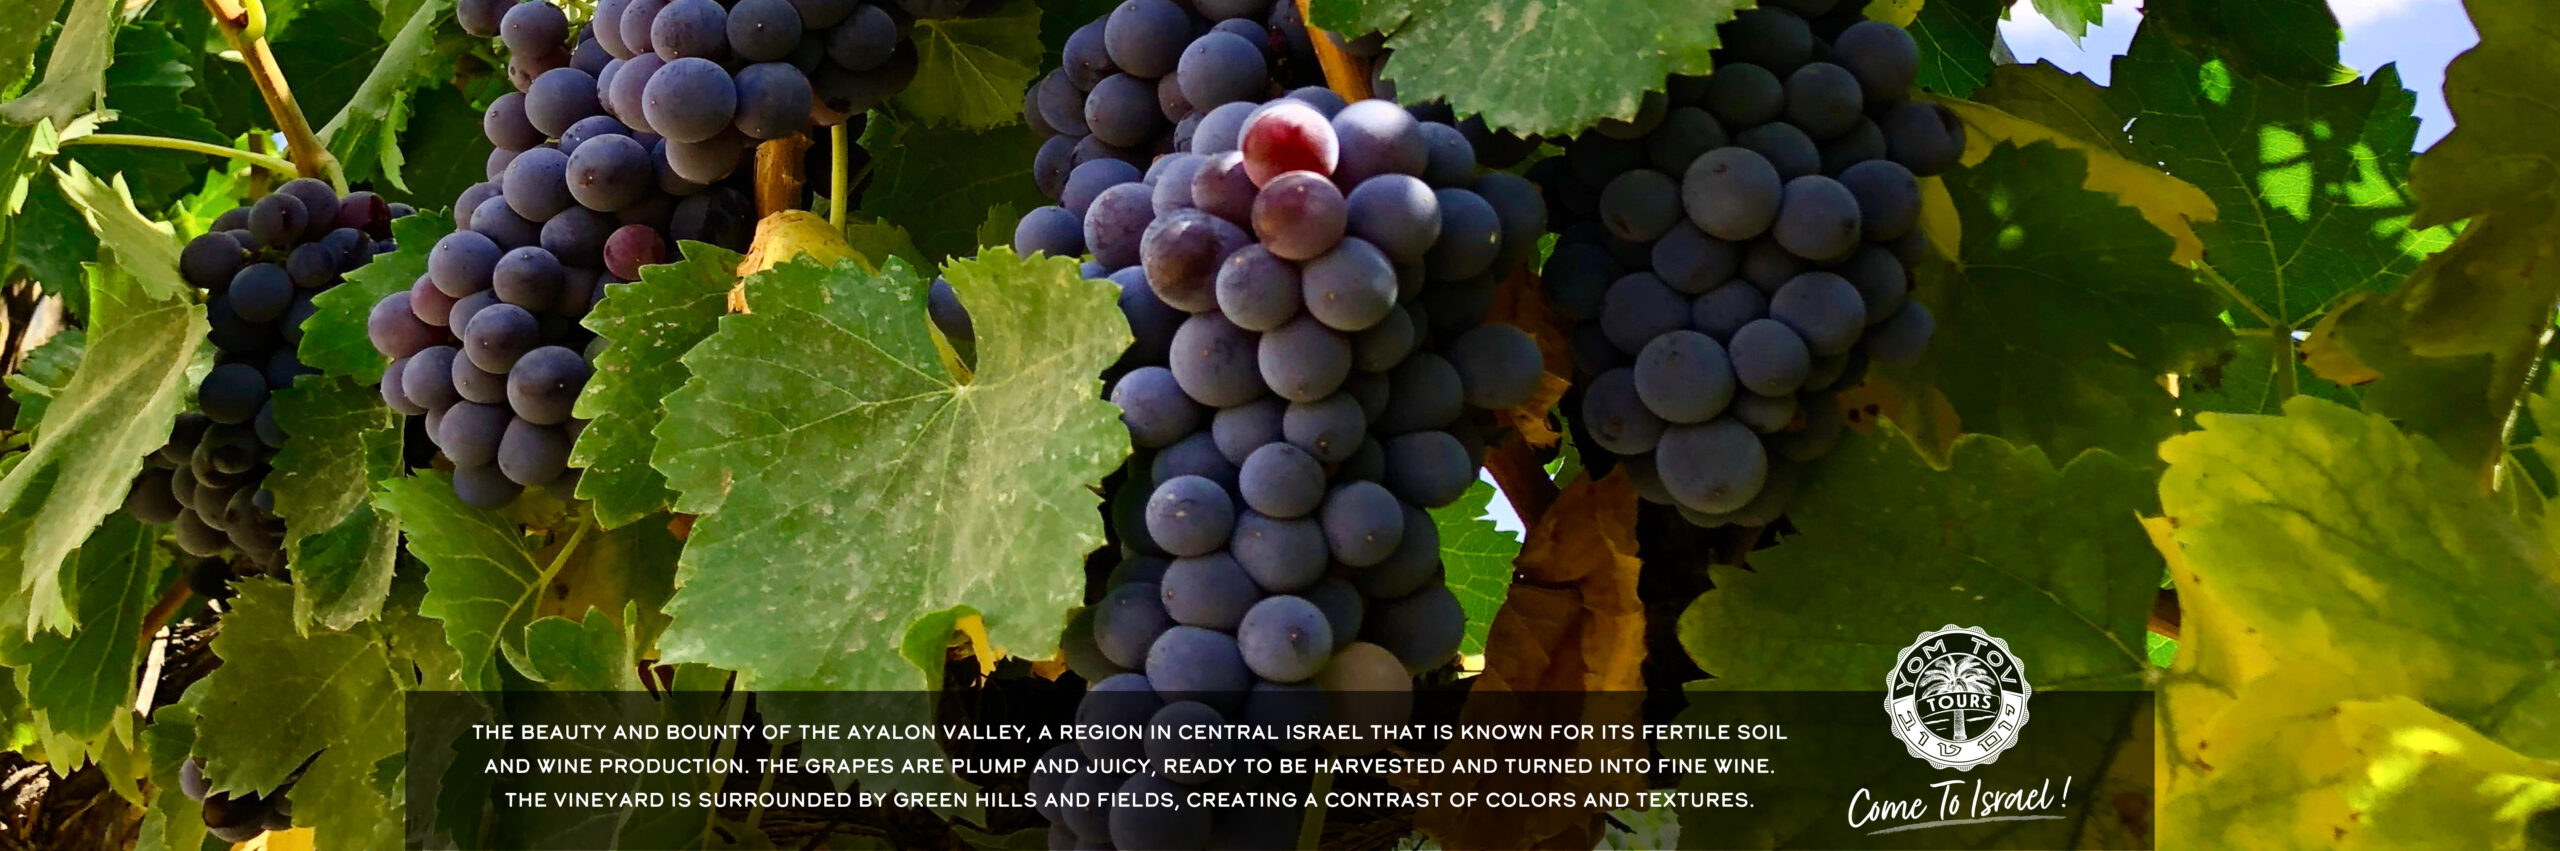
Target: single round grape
632, 248
1422, 629
537, 185
864, 41
1146, 37
1499, 366
533, 455
1282, 481
1087, 181
1381, 347
1258, 291
1427, 394
1901, 338
484, 487
1190, 516
1744, 95
1692, 262
1210, 591
1049, 230
1684, 377
1640, 307
773, 100
1862, 143
690, 99
1726, 309
763, 30
1299, 215
1427, 468
1882, 56
530, 278
1196, 455
1768, 265
1154, 408
1281, 555
1926, 138
506, 126
1215, 362
1616, 416
481, 18
1769, 358
1285, 639
1451, 162
1787, 149
533, 28
561, 98
1285, 136
1330, 429
1818, 220
1714, 467
1470, 237
1127, 621
1888, 198
610, 173
1351, 287
395, 330
1686, 134
471, 432
313, 265
1640, 205
1183, 252
393, 396
1824, 100
1399, 214
278, 220
428, 378
1190, 663
1824, 309
1122, 110
1220, 68
209, 261
1117, 224
498, 335
1378, 137
260, 292
691, 28
498, 221
1772, 38
624, 95
1243, 429
1303, 360
1362, 523
1221, 131
544, 384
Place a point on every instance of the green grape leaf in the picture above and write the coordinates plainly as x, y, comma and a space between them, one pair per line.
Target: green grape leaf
1891, 547
443, 151
172, 821
283, 695
365, 134
2072, 17
44, 371
20, 33
487, 579
46, 235
647, 326
75, 72
1535, 66
879, 241
971, 70
81, 685
328, 52
590, 654
146, 87
2295, 41
2084, 284
1955, 39
116, 408
2336, 537
850, 486
333, 339
1478, 557
2503, 149
341, 443
145, 251
938, 183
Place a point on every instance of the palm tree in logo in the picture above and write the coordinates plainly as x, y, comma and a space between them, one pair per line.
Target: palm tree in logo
1956, 673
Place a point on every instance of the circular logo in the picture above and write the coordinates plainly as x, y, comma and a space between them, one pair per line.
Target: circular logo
1957, 697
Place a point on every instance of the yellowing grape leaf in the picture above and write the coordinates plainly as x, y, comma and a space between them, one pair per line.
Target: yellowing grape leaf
1891, 547
2062, 311
647, 326
1535, 66
2066, 110
849, 485
2339, 540
1579, 632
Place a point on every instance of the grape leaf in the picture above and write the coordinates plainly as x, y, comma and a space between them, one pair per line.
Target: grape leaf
145, 251
365, 134
81, 685
20, 33
172, 821
2025, 104
146, 87
116, 408
594, 653
2072, 17
44, 371
2503, 146
850, 486
329, 52
1955, 44
334, 339
1891, 547
46, 235
487, 579
283, 695
2291, 40
1477, 556
341, 443
938, 183
443, 152
971, 70
75, 71
2086, 287
2337, 538
2462, 402
1535, 66
647, 325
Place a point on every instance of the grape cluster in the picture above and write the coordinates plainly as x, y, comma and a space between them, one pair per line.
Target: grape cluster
261, 264
1307, 283
1140, 81
235, 818
486, 346
711, 77
1740, 251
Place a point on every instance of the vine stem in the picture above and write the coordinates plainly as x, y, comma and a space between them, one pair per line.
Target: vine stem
274, 164
246, 32
840, 176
